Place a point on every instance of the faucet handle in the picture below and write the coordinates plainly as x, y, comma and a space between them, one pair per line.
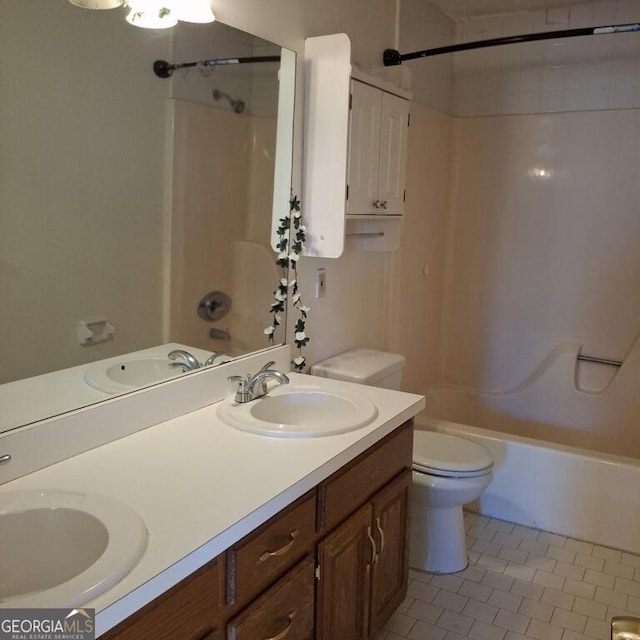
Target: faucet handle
242, 390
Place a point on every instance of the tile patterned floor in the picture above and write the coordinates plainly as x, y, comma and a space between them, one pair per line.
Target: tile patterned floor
521, 584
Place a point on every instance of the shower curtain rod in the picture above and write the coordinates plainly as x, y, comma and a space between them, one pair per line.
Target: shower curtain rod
164, 69
392, 57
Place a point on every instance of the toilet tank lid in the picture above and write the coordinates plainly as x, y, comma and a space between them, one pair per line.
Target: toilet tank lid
364, 366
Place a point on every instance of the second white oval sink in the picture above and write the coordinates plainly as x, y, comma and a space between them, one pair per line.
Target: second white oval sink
61, 549
300, 411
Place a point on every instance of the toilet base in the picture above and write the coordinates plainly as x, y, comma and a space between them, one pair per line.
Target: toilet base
438, 542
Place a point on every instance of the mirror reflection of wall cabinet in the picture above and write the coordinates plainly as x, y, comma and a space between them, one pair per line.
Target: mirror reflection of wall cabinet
355, 152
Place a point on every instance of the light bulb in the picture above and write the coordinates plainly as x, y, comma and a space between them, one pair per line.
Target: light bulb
151, 14
194, 11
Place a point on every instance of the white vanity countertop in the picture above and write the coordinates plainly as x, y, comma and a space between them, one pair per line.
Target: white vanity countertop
200, 485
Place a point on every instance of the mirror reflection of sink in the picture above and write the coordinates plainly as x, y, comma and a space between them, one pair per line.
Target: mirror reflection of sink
300, 411
128, 374
61, 549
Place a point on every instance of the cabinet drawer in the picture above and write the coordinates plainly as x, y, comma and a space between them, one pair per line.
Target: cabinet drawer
284, 611
345, 491
188, 611
264, 555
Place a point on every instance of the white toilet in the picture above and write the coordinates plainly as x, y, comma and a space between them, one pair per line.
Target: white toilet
448, 471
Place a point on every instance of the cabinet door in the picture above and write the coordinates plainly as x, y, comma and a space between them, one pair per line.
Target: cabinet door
364, 148
393, 151
343, 588
391, 531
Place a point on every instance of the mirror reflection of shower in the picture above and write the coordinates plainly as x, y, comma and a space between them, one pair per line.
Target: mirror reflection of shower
237, 105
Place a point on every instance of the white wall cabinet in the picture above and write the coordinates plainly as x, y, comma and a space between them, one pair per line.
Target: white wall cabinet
377, 151
355, 141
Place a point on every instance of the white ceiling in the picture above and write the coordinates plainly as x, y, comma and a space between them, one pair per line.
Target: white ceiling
464, 9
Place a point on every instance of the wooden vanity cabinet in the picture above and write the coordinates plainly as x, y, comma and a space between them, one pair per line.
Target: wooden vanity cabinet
331, 566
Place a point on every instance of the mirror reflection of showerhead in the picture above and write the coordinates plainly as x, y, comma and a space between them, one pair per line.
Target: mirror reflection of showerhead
236, 105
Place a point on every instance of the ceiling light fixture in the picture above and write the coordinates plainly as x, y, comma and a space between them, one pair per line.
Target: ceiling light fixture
151, 14
97, 4
156, 14
198, 11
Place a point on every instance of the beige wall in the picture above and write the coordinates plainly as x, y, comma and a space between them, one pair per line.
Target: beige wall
538, 214
418, 275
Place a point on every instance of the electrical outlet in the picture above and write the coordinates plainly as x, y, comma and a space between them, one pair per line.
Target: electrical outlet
321, 283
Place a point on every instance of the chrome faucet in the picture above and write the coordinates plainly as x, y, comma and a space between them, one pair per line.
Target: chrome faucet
183, 359
212, 358
251, 387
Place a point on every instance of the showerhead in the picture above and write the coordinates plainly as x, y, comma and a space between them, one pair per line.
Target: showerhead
236, 105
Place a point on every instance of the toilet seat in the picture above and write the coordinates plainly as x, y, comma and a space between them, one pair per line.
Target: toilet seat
440, 454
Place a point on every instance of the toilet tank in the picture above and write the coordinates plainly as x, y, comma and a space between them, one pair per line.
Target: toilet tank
363, 366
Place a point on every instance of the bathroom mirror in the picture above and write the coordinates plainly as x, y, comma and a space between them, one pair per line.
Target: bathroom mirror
126, 198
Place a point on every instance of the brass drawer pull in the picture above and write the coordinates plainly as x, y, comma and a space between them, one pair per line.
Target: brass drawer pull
381, 532
374, 551
285, 632
280, 552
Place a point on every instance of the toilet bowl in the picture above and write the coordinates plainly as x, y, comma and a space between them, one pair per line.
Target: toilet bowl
448, 472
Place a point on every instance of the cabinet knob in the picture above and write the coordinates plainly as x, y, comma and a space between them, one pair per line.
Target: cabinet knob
376, 204
384, 204
285, 632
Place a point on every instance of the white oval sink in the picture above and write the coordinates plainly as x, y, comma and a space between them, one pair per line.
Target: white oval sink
301, 411
61, 549
128, 374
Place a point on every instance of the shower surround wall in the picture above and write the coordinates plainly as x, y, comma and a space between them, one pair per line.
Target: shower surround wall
542, 258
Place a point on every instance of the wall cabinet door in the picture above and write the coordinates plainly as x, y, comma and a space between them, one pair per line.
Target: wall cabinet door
394, 123
377, 151
343, 580
364, 148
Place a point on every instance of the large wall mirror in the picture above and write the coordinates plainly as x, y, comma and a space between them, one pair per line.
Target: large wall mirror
126, 198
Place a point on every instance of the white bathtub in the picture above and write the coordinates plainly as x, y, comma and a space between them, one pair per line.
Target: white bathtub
561, 489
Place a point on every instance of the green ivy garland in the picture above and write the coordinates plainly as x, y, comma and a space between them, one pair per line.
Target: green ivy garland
289, 258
